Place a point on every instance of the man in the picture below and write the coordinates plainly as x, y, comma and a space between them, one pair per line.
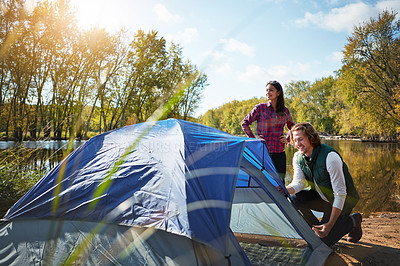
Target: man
332, 190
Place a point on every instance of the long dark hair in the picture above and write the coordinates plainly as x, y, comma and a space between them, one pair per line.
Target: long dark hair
280, 105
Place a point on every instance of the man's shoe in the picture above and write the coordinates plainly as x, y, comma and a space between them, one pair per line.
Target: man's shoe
356, 233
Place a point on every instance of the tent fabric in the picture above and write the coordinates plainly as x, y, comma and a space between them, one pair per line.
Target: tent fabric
172, 176
38, 241
253, 211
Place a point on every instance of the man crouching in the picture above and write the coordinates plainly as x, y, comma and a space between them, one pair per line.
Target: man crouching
330, 188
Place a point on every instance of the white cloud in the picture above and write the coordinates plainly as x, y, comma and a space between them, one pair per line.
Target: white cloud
219, 63
283, 73
393, 4
233, 45
163, 14
292, 71
335, 57
339, 19
253, 74
184, 37
346, 17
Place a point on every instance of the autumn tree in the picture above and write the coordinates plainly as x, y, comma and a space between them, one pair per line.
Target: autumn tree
229, 116
370, 75
17, 64
56, 78
317, 103
150, 76
109, 51
297, 100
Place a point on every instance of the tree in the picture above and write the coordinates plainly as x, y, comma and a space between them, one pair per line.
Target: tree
229, 116
54, 77
110, 53
193, 84
371, 71
318, 103
17, 64
297, 100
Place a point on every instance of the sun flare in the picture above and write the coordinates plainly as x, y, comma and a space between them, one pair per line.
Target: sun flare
102, 13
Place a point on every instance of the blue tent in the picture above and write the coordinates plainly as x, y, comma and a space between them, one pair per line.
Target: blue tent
166, 192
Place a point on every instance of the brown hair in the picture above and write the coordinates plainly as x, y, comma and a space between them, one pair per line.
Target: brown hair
308, 130
280, 105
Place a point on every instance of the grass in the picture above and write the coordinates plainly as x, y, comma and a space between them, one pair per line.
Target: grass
18, 174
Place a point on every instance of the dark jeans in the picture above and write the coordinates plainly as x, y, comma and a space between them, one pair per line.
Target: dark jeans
307, 200
279, 160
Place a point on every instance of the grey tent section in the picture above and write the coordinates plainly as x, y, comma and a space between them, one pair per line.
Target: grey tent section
46, 242
178, 198
261, 209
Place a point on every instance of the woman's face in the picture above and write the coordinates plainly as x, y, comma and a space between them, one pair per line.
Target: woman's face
271, 93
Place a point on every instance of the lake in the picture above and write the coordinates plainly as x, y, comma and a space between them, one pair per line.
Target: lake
375, 167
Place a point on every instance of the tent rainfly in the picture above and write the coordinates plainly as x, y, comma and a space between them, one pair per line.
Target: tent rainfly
169, 192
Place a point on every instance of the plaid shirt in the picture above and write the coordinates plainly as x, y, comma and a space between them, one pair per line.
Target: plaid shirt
270, 126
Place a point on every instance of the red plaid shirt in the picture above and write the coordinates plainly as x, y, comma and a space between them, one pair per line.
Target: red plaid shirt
270, 126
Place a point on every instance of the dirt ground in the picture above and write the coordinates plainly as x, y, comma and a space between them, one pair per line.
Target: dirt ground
379, 245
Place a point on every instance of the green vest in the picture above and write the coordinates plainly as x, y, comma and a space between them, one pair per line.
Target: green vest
315, 171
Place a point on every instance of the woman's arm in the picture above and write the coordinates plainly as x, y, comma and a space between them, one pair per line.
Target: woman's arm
248, 120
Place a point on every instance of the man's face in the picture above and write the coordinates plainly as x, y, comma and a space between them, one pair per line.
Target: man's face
302, 143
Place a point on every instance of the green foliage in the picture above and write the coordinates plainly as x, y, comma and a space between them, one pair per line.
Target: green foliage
324, 103
370, 76
56, 78
229, 116
17, 174
316, 103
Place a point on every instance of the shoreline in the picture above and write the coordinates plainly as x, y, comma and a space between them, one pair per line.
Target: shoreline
379, 245
357, 138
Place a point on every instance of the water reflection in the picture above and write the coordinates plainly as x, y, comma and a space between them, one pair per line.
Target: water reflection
375, 168
23, 164
45, 144
36, 155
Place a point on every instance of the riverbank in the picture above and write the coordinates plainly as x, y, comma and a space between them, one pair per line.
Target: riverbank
379, 245
358, 138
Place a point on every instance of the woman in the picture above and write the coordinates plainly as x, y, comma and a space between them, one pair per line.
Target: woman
271, 118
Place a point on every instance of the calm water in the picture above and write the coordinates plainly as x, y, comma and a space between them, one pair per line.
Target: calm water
38, 154
375, 167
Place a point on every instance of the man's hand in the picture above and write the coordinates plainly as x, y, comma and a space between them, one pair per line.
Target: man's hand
281, 190
322, 230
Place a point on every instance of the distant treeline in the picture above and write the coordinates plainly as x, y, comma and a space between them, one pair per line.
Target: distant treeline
59, 81
362, 99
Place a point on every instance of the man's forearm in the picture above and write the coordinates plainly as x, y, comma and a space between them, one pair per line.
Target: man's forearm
334, 216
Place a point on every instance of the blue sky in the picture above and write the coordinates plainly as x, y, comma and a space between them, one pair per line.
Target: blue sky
240, 45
